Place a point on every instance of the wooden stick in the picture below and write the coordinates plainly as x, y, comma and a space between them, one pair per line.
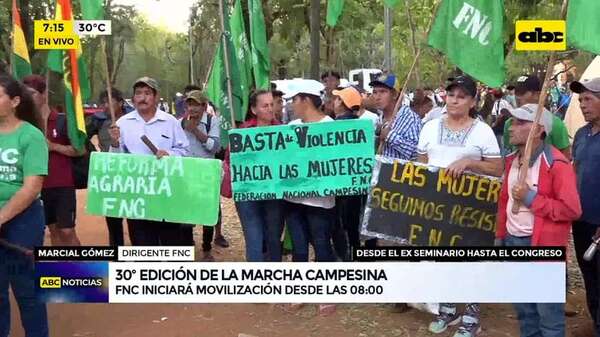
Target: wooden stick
108, 85
417, 55
15, 248
11, 66
149, 144
414, 41
524, 165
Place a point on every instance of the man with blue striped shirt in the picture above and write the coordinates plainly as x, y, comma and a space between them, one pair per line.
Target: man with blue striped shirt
399, 132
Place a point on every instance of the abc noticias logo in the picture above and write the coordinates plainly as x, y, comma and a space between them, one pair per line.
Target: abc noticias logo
540, 35
55, 282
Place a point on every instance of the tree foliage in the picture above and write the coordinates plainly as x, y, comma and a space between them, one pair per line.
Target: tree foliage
137, 48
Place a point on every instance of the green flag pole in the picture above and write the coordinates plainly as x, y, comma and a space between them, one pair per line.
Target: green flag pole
210, 67
538, 114
412, 68
226, 61
415, 61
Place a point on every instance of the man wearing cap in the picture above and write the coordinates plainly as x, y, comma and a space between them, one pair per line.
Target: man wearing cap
586, 157
203, 133
165, 132
527, 91
309, 215
400, 130
346, 104
548, 203
310, 220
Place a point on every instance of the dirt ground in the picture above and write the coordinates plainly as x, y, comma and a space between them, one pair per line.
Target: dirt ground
259, 320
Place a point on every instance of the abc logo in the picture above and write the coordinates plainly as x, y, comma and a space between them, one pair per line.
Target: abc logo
540, 35
50, 282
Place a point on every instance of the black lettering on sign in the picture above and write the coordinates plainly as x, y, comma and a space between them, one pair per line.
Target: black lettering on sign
288, 171
268, 140
412, 204
339, 167
335, 138
250, 173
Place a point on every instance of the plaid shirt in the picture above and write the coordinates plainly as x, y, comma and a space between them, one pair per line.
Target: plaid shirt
401, 142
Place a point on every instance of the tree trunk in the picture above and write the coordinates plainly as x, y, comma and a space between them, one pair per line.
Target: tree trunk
331, 48
315, 23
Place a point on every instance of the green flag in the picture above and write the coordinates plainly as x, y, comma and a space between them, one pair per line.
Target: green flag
470, 34
242, 52
261, 61
583, 28
92, 9
391, 3
334, 10
216, 87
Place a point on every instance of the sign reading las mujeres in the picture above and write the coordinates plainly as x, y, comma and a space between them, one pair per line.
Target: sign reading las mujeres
410, 203
302, 160
175, 189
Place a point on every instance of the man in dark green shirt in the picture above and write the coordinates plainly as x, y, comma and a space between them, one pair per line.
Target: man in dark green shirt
527, 91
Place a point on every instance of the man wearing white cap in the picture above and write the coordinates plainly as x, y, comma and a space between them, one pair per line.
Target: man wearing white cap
548, 201
309, 219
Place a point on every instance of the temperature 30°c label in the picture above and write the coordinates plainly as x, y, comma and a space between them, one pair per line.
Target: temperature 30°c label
92, 27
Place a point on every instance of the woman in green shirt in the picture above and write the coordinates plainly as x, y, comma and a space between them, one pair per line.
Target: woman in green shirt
23, 165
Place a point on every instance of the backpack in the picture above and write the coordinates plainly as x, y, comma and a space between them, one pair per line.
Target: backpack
80, 166
221, 153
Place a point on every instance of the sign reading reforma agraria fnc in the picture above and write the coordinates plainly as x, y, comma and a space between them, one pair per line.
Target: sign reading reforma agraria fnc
302, 160
416, 204
175, 189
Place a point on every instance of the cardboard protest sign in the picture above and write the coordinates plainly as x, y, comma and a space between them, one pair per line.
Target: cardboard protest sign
302, 160
174, 189
414, 204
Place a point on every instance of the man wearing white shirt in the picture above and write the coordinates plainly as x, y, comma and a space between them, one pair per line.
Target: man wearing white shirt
166, 133
309, 219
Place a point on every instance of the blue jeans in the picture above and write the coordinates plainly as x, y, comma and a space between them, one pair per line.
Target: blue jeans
537, 319
309, 224
17, 270
262, 221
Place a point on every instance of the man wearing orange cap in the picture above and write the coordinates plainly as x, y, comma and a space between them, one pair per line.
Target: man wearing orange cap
346, 103
345, 234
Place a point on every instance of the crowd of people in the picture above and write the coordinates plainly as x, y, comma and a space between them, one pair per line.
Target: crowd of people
442, 127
